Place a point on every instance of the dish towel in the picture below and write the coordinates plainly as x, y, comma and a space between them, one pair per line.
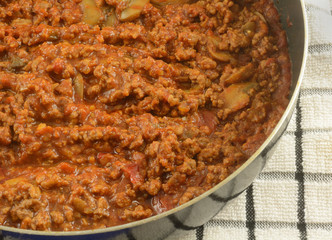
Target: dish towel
292, 197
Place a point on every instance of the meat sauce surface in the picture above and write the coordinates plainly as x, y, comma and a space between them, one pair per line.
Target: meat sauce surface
114, 111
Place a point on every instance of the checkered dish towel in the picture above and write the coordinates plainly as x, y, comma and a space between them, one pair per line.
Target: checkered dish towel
292, 197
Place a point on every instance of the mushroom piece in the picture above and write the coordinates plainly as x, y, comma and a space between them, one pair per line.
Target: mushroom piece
260, 16
134, 10
223, 56
91, 13
238, 75
111, 19
236, 96
162, 3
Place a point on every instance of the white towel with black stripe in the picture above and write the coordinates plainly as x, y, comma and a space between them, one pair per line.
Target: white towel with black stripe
292, 197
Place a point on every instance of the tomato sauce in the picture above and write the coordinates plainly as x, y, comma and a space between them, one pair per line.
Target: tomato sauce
114, 111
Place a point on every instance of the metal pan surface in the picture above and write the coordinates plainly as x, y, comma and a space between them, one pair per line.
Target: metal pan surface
201, 209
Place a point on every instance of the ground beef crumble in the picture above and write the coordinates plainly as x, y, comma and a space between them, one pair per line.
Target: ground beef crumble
108, 116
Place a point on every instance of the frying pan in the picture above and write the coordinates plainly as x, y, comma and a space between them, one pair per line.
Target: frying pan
202, 208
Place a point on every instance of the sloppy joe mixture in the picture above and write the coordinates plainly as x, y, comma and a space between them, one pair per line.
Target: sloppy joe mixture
112, 111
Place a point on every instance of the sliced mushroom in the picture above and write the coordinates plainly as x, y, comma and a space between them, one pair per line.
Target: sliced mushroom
260, 16
223, 56
134, 10
183, 73
78, 84
214, 40
91, 13
238, 75
111, 19
162, 3
236, 96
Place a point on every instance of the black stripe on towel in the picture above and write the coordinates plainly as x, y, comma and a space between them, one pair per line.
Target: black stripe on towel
217, 223
308, 176
250, 213
316, 91
311, 7
299, 176
311, 131
319, 48
200, 233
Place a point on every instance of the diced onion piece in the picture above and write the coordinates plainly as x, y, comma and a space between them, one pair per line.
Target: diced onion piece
134, 10
239, 75
78, 84
168, 2
236, 96
91, 13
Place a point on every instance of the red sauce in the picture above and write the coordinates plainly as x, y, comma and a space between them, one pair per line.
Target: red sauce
109, 115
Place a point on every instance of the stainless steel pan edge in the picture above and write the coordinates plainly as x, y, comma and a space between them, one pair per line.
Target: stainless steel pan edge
201, 209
